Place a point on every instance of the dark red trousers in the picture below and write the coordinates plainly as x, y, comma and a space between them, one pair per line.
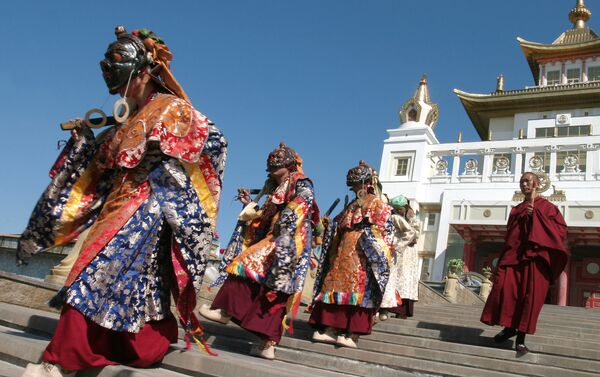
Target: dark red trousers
405, 310
348, 318
249, 307
517, 297
79, 343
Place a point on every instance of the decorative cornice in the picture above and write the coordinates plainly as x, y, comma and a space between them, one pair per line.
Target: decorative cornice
531, 90
482, 107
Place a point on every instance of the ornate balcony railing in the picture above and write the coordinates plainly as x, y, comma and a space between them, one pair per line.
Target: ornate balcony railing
563, 159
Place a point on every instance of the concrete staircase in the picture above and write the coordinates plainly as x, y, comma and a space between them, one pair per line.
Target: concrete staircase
441, 340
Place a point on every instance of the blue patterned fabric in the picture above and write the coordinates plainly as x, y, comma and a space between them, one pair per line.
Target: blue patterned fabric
44, 224
379, 269
129, 281
288, 270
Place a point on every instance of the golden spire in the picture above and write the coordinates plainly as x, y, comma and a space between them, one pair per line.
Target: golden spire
579, 15
419, 108
422, 92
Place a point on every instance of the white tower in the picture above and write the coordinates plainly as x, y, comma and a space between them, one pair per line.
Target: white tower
404, 163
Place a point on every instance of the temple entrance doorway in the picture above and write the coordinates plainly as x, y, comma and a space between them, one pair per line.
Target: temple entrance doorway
585, 278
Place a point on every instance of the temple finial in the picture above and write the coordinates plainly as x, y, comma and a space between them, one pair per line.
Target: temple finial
419, 108
579, 15
422, 92
500, 83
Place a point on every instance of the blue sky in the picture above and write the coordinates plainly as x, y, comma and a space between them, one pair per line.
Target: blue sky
326, 77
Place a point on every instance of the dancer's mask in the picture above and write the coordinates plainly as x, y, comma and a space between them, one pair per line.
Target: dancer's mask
282, 157
124, 58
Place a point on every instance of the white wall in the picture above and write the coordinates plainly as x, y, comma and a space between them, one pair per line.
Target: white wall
503, 128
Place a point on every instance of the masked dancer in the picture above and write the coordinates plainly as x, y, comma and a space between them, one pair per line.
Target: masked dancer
354, 269
148, 189
265, 264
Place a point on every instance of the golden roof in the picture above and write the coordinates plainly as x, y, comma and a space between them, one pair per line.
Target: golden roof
482, 107
578, 41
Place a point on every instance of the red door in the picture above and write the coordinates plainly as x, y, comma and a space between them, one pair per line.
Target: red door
585, 283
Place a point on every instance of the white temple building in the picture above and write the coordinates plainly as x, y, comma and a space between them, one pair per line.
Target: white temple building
464, 191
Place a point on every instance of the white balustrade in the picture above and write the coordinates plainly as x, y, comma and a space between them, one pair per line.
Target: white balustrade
492, 161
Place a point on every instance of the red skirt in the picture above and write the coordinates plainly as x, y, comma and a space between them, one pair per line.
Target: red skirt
517, 297
349, 318
247, 304
79, 343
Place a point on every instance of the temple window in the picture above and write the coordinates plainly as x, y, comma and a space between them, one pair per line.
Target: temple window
573, 75
431, 221
412, 115
593, 73
581, 160
545, 156
402, 165
564, 131
553, 77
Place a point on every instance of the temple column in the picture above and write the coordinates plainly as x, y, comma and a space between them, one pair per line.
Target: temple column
518, 165
468, 253
563, 286
552, 168
543, 75
455, 168
487, 169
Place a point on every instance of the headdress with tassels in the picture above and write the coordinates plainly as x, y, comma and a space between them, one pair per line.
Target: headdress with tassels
161, 58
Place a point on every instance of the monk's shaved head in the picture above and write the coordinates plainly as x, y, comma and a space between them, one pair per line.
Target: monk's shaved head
533, 176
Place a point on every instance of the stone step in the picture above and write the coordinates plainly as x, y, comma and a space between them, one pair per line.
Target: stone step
505, 360
477, 336
396, 348
475, 332
349, 361
235, 339
547, 319
572, 327
19, 347
10, 370
488, 350
43, 324
547, 310
552, 329
383, 348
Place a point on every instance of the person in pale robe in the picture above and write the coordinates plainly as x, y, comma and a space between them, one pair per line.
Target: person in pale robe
402, 289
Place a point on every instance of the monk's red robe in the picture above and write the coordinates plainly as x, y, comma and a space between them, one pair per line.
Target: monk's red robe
534, 256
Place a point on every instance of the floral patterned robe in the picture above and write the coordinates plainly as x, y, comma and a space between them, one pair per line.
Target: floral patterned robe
149, 189
355, 268
275, 248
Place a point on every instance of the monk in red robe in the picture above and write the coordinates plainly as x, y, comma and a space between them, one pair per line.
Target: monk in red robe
534, 256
